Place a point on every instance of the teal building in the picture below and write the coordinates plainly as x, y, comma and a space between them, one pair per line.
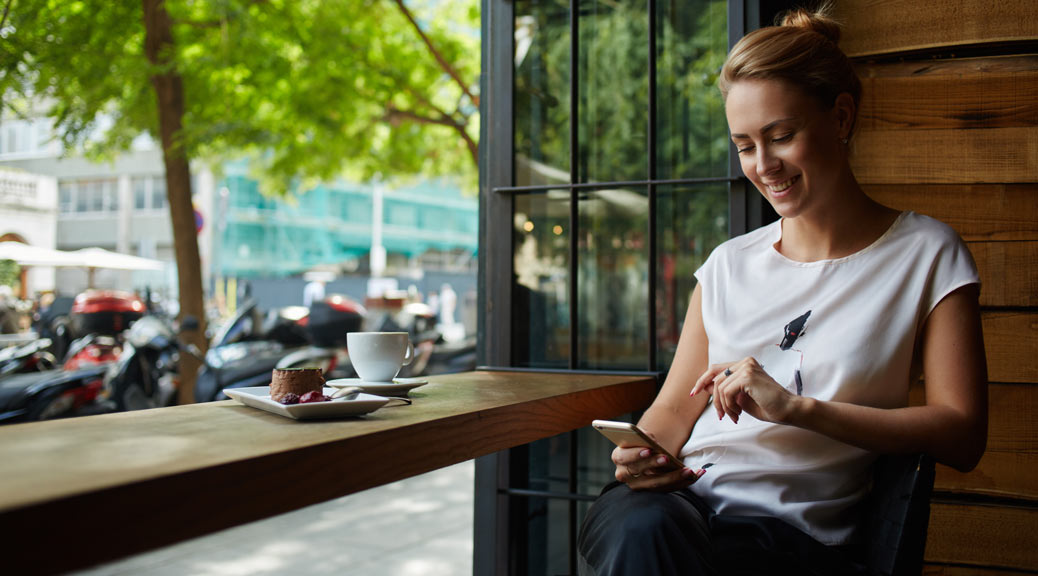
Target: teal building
429, 224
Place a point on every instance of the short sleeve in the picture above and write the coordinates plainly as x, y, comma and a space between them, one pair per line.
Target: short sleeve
953, 267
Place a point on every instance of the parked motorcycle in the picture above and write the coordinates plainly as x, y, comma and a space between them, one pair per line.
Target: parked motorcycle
327, 324
54, 393
146, 373
245, 351
32, 356
73, 389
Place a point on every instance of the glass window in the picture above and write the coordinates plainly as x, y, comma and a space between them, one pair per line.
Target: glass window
66, 198
541, 280
690, 221
110, 190
650, 175
140, 193
541, 95
614, 91
691, 131
401, 214
158, 193
612, 279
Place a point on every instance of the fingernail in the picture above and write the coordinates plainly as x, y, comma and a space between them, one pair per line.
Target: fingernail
700, 472
688, 473
661, 460
692, 393
645, 453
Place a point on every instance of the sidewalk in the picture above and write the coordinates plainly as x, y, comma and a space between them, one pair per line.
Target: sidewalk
421, 526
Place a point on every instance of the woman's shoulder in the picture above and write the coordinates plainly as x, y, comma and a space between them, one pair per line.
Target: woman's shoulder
917, 227
762, 237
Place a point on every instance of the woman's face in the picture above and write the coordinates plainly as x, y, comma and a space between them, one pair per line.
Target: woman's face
789, 145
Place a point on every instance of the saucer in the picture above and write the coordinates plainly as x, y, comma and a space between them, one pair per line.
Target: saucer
398, 387
259, 397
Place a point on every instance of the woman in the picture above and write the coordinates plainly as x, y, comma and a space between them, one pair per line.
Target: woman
798, 348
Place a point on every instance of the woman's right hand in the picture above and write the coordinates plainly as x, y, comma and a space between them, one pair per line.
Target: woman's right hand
642, 469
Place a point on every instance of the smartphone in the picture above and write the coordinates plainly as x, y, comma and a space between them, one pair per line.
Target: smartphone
627, 435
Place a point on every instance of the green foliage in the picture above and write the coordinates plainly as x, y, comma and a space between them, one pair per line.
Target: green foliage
10, 273
309, 89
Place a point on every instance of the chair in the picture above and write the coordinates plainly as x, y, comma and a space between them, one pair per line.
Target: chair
897, 515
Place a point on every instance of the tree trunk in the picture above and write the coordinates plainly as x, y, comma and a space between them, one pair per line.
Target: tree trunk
169, 89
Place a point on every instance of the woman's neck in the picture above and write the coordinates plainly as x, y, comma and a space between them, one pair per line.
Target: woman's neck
835, 231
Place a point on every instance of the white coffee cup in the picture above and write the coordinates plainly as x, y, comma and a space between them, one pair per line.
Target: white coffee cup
378, 356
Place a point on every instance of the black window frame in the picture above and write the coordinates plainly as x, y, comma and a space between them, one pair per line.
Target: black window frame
499, 494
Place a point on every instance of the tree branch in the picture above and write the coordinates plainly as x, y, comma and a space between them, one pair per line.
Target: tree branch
436, 53
394, 114
7, 10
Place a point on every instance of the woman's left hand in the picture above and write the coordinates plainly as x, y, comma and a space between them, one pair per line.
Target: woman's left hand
744, 386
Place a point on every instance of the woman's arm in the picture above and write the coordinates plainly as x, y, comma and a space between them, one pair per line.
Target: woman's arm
672, 414
951, 426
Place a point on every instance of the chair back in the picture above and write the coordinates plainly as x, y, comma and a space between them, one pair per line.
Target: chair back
897, 514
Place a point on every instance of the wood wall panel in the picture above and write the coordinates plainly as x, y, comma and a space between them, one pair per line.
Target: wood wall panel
947, 156
945, 570
885, 26
999, 474
1011, 343
957, 139
978, 212
1011, 459
994, 536
969, 93
1008, 272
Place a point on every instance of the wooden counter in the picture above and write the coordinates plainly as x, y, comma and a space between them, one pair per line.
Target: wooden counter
77, 492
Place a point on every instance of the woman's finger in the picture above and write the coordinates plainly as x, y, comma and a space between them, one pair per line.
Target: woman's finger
713, 375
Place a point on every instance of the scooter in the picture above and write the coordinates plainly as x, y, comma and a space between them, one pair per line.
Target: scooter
51, 394
29, 357
245, 351
146, 372
327, 324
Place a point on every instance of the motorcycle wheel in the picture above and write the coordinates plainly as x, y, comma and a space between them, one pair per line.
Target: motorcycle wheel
50, 405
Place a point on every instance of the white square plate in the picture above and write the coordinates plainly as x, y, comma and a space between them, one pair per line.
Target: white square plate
259, 397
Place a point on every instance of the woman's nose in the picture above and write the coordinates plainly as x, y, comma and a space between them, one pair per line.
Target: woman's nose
767, 162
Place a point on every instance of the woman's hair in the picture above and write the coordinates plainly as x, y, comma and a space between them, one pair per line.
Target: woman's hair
802, 50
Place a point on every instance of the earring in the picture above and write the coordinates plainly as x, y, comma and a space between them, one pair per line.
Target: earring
845, 141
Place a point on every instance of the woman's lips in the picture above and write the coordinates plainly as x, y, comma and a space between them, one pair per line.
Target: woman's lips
779, 188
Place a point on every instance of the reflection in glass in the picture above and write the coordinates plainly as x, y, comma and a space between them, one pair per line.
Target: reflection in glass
690, 222
614, 86
548, 546
547, 550
540, 294
541, 99
691, 131
612, 279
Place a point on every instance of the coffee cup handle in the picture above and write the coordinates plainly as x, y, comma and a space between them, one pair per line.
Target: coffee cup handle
409, 355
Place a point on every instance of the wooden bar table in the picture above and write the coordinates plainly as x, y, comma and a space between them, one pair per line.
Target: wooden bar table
77, 492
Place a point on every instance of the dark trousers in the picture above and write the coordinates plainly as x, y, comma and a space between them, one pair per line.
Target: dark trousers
642, 533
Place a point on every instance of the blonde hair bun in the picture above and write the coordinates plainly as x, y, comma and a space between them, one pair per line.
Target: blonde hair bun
820, 21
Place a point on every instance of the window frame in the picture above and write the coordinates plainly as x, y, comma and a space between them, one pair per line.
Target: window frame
499, 535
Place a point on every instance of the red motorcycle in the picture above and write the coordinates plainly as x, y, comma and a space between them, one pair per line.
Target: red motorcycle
72, 389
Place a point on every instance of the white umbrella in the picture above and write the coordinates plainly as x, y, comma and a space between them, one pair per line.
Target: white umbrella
101, 258
89, 258
25, 255
94, 258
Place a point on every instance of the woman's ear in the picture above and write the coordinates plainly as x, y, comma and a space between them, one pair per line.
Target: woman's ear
846, 113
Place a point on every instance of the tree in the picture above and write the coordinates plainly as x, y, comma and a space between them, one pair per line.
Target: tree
308, 89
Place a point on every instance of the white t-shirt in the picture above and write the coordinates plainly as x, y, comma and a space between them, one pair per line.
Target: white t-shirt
842, 330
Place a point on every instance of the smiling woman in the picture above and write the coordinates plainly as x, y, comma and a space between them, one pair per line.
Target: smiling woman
798, 348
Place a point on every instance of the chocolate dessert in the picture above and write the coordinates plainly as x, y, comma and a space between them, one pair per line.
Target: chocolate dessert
296, 381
